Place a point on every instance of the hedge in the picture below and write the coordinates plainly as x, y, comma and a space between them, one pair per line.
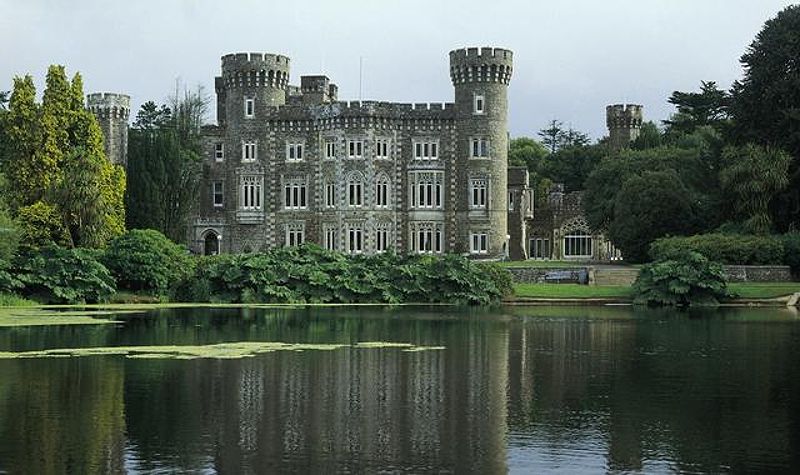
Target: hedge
731, 249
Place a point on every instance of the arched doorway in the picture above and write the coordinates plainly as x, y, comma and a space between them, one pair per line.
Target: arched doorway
211, 243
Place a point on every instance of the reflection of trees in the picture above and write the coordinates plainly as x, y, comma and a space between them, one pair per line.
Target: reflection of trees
62, 416
705, 393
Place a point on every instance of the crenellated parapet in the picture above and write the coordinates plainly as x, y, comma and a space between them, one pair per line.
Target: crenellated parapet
255, 70
624, 115
481, 65
109, 104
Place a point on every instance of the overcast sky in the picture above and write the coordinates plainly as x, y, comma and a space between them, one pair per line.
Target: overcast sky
571, 57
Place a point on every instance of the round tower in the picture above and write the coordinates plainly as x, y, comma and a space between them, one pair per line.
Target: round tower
258, 77
112, 112
480, 78
624, 123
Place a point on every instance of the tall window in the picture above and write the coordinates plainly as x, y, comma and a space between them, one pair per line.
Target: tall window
381, 192
381, 149
479, 105
295, 194
355, 191
294, 152
250, 197
578, 243
478, 243
480, 147
539, 248
330, 238
249, 151
478, 193
249, 108
355, 238
511, 198
216, 191
426, 189
219, 151
426, 150
330, 149
355, 149
330, 195
382, 238
426, 238
295, 234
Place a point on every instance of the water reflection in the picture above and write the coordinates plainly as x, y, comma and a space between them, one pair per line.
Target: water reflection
518, 389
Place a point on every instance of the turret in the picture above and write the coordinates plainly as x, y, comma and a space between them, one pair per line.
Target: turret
112, 112
480, 78
250, 83
624, 124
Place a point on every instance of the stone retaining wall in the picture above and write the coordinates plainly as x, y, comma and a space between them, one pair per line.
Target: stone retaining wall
547, 275
758, 273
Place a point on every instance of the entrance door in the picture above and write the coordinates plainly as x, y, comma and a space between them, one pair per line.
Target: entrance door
211, 245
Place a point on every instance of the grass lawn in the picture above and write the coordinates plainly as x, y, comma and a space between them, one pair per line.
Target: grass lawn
764, 290
576, 291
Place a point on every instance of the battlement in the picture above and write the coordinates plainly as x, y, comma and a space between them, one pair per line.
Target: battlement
255, 70
624, 115
481, 65
108, 100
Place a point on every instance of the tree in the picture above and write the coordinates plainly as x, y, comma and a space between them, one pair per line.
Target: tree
697, 109
24, 166
750, 177
164, 164
555, 137
765, 104
649, 137
526, 152
647, 207
573, 165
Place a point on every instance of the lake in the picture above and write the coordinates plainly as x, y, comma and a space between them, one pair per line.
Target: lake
463, 390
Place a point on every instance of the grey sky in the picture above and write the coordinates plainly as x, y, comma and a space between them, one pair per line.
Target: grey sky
571, 57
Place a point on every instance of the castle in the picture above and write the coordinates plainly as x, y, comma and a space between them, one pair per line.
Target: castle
289, 164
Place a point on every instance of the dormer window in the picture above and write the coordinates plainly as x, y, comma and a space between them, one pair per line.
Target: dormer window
479, 105
249, 108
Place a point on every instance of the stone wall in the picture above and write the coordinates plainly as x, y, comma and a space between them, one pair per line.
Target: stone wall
758, 273
550, 275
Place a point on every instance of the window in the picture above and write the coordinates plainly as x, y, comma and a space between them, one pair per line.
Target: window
578, 243
477, 193
250, 196
355, 149
295, 234
479, 105
249, 108
478, 243
480, 147
539, 248
330, 149
426, 150
426, 189
382, 238
330, 238
511, 199
249, 151
330, 195
295, 194
294, 152
426, 238
381, 149
382, 192
355, 239
355, 191
216, 192
219, 151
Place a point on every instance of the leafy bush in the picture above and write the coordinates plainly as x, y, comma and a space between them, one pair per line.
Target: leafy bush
14, 300
145, 259
57, 275
733, 249
681, 280
311, 274
791, 249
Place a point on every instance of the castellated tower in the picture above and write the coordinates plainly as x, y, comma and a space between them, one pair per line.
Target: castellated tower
624, 124
250, 80
480, 78
112, 112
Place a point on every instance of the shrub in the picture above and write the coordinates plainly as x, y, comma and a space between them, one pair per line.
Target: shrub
146, 260
791, 249
56, 275
14, 300
733, 249
681, 280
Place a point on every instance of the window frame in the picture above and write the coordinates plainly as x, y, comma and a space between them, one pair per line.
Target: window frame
220, 194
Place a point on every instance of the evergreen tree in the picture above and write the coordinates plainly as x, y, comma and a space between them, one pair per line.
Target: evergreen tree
24, 165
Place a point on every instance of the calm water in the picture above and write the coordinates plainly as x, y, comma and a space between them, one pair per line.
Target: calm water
521, 390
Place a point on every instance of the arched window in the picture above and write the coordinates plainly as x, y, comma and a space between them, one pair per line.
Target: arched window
381, 191
355, 190
211, 243
578, 244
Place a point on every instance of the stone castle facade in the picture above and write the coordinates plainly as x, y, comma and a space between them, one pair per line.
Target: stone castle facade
288, 164
112, 112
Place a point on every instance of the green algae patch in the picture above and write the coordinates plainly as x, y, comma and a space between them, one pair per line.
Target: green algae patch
27, 317
238, 350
